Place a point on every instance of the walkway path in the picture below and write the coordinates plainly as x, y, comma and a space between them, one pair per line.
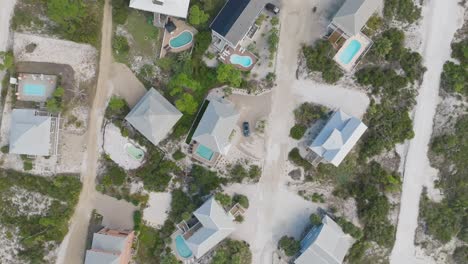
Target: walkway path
441, 20
73, 247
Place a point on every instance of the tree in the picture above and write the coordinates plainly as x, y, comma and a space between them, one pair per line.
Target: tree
227, 73
7, 60
223, 199
289, 245
315, 219
297, 131
170, 259
382, 47
182, 82
318, 60
204, 180
187, 104
116, 104
197, 16
241, 199
232, 252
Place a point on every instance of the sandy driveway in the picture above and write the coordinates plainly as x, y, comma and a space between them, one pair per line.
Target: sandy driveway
125, 84
441, 20
73, 247
6, 12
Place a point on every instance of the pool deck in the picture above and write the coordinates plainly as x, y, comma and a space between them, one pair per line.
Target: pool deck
48, 81
366, 43
181, 27
228, 51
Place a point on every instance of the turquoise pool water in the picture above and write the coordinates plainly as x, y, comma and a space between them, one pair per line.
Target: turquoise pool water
182, 249
244, 61
34, 89
181, 40
350, 51
135, 152
205, 152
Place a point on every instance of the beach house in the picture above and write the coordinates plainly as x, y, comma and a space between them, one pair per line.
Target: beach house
110, 247
153, 116
324, 244
162, 9
336, 139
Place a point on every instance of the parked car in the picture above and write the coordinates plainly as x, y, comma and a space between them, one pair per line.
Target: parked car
272, 8
246, 129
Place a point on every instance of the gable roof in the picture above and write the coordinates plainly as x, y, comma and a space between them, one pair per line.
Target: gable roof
216, 125
153, 116
338, 137
325, 244
29, 133
176, 8
235, 19
353, 15
106, 249
217, 225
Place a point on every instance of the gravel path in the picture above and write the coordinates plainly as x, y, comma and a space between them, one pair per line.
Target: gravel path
440, 21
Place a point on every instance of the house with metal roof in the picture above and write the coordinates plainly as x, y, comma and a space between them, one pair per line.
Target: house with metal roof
30, 133
213, 225
175, 8
214, 130
110, 247
337, 138
324, 244
353, 15
234, 21
153, 116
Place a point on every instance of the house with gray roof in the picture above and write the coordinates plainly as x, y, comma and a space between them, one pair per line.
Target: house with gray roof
215, 127
162, 9
234, 21
30, 133
110, 247
353, 15
338, 137
324, 244
153, 116
215, 226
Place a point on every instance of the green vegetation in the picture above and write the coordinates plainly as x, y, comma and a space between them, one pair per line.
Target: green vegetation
402, 10
28, 165
5, 149
55, 103
374, 23
297, 131
460, 255
178, 154
37, 231
144, 34
120, 10
227, 73
308, 113
238, 173
204, 180
7, 60
241, 199
232, 252
454, 77
290, 245
121, 48
315, 219
197, 16
448, 218
157, 171
273, 40
319, 59
223, 199
260, 19
297, 159
349, 228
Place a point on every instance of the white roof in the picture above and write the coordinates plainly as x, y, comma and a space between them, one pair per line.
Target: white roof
99, 257
353, 15
217, 225
29, 133
153, 116
176, 8
338, 137
216, 125
326, 244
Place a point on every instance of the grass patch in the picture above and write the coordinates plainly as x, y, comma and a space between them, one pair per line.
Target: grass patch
144, 34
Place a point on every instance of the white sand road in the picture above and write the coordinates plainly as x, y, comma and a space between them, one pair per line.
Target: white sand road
440, 21
6, 12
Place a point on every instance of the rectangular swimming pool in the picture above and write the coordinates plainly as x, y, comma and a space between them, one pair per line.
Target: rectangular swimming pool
205, 152
350, 51
30, 89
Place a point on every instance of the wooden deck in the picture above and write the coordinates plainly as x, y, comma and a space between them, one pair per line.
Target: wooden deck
337, 39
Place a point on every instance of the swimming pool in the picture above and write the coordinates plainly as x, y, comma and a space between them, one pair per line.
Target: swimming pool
205, 152
182, 249
350, 51
181, 40
30, 89
244, 61
134, 152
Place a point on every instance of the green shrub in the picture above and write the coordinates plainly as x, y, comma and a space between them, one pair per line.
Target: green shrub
308, 113
242, 200
318, 59
274, 21
224, 199
460, 255
232, 251
27, 165
120, 10
290, 245
297, 131
227, 73
137, 217
197, 16
239, 218
120, 47
254, 172
349, 228
204, 180
315, 219
178, 155
296, 158
5, 149
402, 10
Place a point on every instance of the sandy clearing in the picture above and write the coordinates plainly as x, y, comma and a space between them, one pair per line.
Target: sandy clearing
159, 204
114, 145
117, 214
81, 57
353, 102
440, 21
126, 84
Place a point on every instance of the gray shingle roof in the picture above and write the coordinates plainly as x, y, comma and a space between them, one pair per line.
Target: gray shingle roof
177, 8
237, 30
153, 116
326, 244
29, 134
353, 15
217, 225
216, 125
338, 137
105, 249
